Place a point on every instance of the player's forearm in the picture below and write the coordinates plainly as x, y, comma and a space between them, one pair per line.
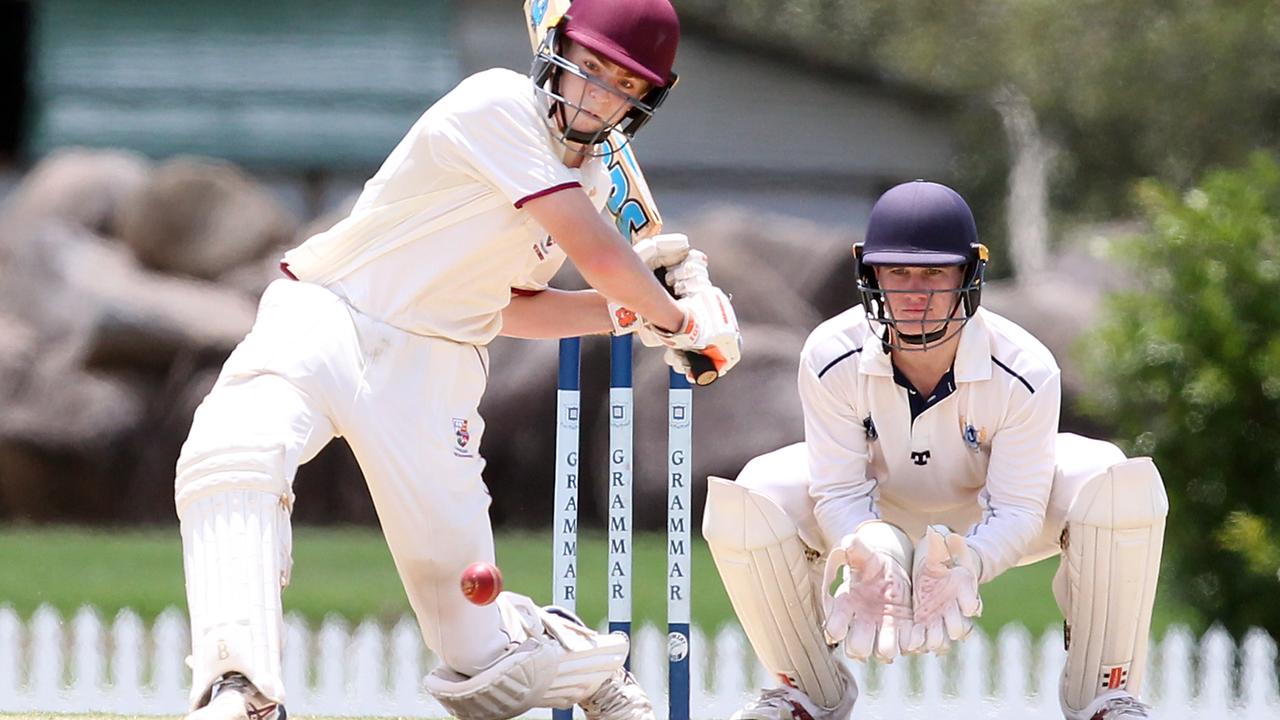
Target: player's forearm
554, 314
605, 260
621, 276
1002, 539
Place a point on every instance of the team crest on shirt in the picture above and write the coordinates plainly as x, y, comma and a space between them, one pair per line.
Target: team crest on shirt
461, 437
542, 248
869, 426
973, 437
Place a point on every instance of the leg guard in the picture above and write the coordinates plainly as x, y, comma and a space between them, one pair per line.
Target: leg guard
556, 662
1106, 583
769, 575
236, 546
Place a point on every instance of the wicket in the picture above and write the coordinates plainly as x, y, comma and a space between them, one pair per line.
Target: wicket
679, 505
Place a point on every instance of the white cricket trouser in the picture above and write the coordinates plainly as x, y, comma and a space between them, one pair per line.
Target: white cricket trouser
312, 369
783, 476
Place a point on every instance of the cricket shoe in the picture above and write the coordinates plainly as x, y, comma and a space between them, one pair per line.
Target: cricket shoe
788, 703
619, 698
1117, 706
233, 697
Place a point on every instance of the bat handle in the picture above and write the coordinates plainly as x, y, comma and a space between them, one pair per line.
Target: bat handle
703, 367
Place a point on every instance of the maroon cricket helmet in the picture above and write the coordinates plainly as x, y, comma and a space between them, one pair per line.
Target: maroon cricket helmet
639, 35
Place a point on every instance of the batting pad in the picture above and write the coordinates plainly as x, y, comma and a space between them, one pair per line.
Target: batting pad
557, 662
234, 510
772, 587
1106, 582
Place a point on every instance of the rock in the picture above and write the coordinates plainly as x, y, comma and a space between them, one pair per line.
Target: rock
203, 218
69, 282
17, 355
519, 410
84, 187
778, 270
89, 425
64, 441
752, 410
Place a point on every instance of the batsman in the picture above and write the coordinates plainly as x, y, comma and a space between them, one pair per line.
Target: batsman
932, 463
379, 334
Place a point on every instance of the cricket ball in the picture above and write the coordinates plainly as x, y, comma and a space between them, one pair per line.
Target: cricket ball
481, 583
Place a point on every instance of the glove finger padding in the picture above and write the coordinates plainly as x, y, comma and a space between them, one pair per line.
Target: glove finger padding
679, 362
664, 251
690, 275
871, 610
945, 590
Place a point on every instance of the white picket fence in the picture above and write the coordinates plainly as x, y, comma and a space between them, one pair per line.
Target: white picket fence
50, 665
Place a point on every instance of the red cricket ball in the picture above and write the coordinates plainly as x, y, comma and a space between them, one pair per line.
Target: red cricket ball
481, 582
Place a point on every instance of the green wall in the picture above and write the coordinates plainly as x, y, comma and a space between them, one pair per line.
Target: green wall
284, 83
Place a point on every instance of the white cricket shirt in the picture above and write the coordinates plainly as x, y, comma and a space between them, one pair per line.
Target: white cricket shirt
978, 458
437, 239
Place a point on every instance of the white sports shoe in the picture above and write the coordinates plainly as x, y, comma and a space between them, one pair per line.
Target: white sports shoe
1121, 706
788, 703
619, 698
233, 697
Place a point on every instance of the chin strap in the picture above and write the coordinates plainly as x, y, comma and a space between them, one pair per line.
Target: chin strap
920, 339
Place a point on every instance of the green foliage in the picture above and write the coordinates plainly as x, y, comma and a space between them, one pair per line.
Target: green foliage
1187, 367
1128, 88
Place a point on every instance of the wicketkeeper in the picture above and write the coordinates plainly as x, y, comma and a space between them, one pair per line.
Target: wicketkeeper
932, 463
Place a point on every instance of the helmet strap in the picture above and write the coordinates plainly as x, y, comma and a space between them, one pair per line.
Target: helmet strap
930, 338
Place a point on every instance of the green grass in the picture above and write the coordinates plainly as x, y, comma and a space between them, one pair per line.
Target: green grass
348, 572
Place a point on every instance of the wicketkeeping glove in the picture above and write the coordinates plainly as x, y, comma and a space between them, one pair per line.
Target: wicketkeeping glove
871, 610
945, 586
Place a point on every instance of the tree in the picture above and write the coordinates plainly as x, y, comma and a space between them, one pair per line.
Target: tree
1091, 94
1187, 367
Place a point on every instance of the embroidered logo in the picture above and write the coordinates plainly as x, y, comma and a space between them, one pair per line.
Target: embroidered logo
974, 438
1113, 677
542, 248
461, 436
626, 317
869, 427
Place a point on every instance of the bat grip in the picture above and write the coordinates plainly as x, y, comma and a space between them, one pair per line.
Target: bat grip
703, 367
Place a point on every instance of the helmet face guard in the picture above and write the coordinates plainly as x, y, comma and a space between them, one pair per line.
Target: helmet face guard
549, 64
924, 333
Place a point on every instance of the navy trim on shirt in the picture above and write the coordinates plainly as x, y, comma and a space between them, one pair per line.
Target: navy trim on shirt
831, 364
920, 403
1011, 372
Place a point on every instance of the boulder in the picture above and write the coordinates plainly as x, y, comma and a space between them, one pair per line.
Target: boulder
80, 186
66, 281
89, 426
203, 218
519, 410
779, 270
752, 410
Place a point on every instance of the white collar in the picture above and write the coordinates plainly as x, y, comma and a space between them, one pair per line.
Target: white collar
973, 356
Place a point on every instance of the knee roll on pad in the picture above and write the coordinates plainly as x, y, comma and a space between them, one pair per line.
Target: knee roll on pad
557, 662
768, 573
234, 508
1106, 582
248, 467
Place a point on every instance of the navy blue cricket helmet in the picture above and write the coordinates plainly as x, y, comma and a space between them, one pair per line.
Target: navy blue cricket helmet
920, 224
